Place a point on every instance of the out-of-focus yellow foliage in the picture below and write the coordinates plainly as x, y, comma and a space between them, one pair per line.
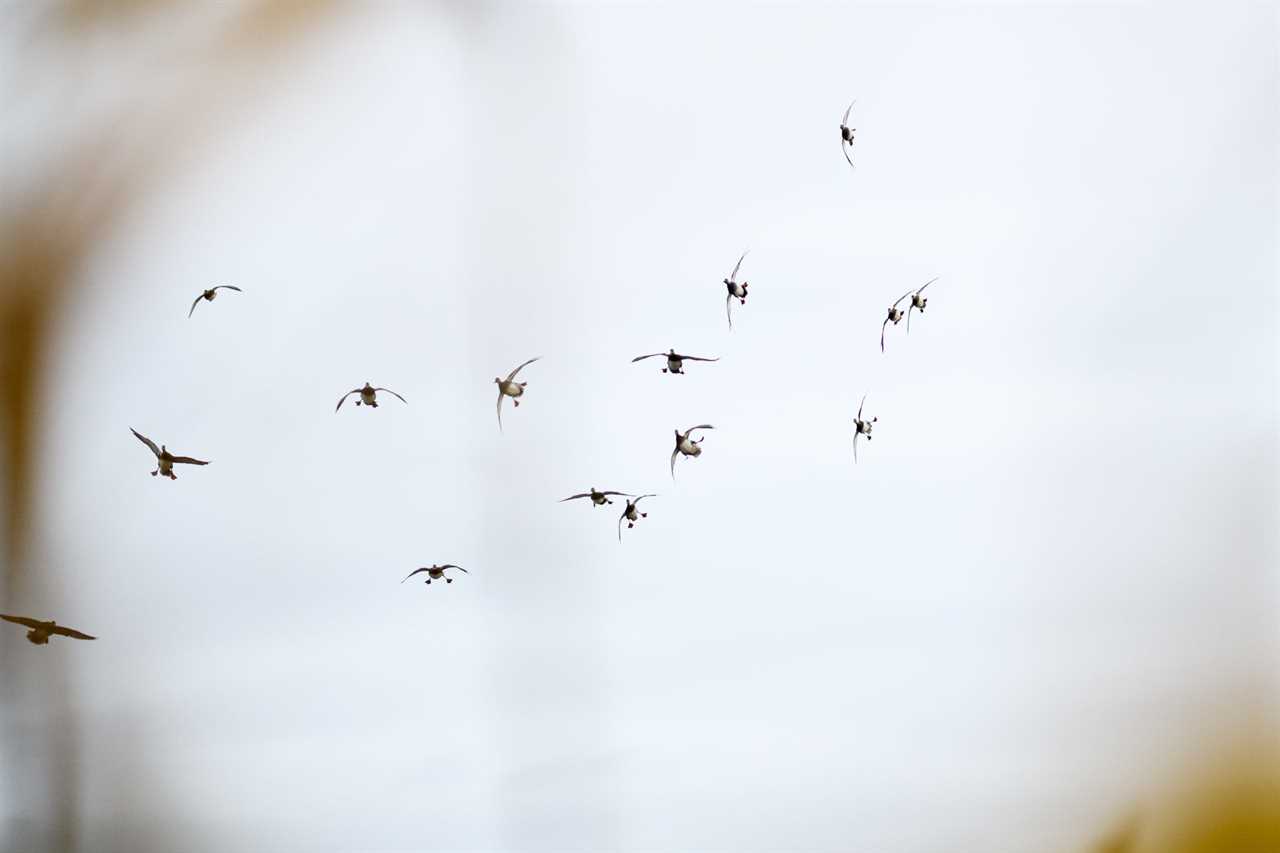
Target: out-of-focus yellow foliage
1228, 803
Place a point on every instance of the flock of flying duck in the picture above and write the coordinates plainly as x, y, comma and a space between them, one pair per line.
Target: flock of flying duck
685, 444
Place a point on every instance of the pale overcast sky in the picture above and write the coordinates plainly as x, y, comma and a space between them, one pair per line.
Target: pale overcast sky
1050, 574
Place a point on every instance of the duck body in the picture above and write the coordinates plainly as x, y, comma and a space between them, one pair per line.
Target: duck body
511, 388
687, 445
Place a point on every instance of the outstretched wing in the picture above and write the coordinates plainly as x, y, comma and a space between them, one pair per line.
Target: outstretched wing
860, 404
690, 430
642, 497
229, 287
512, 374
926, 284
643, 357
194, 304
452, 566
849, 109
69, 632
674, 454
910, 308
148, 442
728, 309
187, 460
695, 358
344, 397
844, 147
620, 494
500, 396
733, 276
575, 497
855, 446
23, 620
882, 328
902, 297
624, 515
416, 572
393, 393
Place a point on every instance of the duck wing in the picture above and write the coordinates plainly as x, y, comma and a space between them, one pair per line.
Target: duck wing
643, 357
416, 572
733, 276
69, 632
187, 460
344, 397
393, 393
512, 374
148, 442
24, 620
194, 304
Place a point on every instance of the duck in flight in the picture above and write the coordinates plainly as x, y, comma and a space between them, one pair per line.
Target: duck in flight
675, 361
509, 387
918, 302
41, 631
368, 396
164, 459
597, 498
846, 132
861, 427
631, 515
895, 316
686, 445
435, 572
211, 294
736, 290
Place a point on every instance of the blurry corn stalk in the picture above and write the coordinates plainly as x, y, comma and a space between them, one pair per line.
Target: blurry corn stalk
67, 186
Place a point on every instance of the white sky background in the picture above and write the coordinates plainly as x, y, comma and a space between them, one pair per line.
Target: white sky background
1051, 573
